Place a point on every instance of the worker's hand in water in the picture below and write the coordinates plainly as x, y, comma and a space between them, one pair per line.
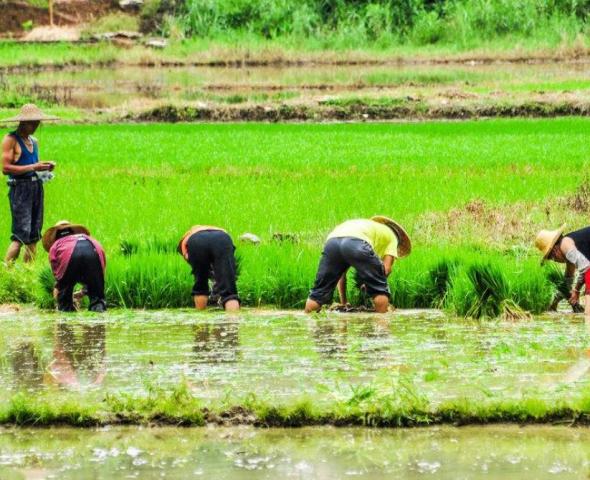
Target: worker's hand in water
577, 308
574, 298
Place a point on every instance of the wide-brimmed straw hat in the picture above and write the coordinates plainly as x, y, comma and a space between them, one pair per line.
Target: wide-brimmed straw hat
546, 240
404, 247
30, 113
50, 234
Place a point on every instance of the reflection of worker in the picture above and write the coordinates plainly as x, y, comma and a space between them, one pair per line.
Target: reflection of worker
76, 257
210, 249
26, 366
573, 249
20, 161
75, 359
330, 336
216, 342
370, 247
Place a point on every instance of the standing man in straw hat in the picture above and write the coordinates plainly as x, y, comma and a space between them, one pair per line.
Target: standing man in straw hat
371, 247
20, 161
75, 257
573, 249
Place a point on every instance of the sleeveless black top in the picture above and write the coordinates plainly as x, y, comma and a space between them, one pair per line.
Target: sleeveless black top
582, 240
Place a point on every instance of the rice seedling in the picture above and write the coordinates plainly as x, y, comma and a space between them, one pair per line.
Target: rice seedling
437, 283
488, 295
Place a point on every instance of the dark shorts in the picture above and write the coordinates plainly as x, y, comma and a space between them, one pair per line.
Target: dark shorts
26, 207
211, 255
84, 268
341, 253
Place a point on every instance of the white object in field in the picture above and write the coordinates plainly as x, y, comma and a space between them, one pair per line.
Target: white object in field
156, 43
45, 176
130, 4
250, 238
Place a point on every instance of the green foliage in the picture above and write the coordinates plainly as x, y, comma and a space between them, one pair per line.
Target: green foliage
381, 22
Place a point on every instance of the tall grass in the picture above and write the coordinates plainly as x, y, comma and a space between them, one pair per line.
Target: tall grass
352, 24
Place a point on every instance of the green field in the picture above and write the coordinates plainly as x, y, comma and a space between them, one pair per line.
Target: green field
468, 193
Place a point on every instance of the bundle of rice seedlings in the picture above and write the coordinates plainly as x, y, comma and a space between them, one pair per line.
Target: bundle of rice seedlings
557, 278
492, 294
434, 289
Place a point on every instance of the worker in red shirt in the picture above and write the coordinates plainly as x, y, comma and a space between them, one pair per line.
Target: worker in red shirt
75, 257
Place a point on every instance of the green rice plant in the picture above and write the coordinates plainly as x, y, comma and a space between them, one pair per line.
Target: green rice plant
17, 284
438, 279
557, 278
486, 294
149, 280
529, 288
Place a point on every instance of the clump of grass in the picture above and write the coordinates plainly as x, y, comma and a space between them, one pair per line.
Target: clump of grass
434, 290
487, 295
114, 22
402, 406
557, 278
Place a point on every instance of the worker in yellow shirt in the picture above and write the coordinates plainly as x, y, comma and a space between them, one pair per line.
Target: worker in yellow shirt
370, 247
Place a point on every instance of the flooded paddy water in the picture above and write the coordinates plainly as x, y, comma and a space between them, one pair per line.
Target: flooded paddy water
281, 356
507, 452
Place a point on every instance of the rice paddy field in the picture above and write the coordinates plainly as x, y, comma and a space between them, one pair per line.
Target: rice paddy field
382, 90
153, 389
472, 196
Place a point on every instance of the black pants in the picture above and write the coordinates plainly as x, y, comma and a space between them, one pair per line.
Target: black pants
26, 207
340, 254
84, 268
211, 253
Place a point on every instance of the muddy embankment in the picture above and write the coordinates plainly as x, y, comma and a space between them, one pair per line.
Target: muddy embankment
14, 15
410, 110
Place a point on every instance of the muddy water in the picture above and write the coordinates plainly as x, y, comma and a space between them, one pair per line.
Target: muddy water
131, 87
282, 356
320, 453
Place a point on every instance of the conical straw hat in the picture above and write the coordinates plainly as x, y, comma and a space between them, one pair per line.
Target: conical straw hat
546, 240
49, 236
404, 247
30, 113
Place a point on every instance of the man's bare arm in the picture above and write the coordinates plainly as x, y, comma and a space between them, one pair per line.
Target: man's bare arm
8, 159
388, 264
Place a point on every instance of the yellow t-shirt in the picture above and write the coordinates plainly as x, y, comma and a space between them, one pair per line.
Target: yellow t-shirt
379, 236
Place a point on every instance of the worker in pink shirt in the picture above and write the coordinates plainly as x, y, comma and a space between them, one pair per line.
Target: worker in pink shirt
75, 257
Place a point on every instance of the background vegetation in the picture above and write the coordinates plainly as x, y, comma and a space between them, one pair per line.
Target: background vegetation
381, 23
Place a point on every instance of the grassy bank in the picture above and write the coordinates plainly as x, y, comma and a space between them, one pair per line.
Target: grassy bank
404, 408
472, 196
244, 50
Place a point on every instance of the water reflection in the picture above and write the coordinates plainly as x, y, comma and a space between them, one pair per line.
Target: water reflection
27, 367
79, 354
582, 366
216, 342
364, 338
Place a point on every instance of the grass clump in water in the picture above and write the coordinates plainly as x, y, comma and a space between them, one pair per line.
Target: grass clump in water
488, 295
